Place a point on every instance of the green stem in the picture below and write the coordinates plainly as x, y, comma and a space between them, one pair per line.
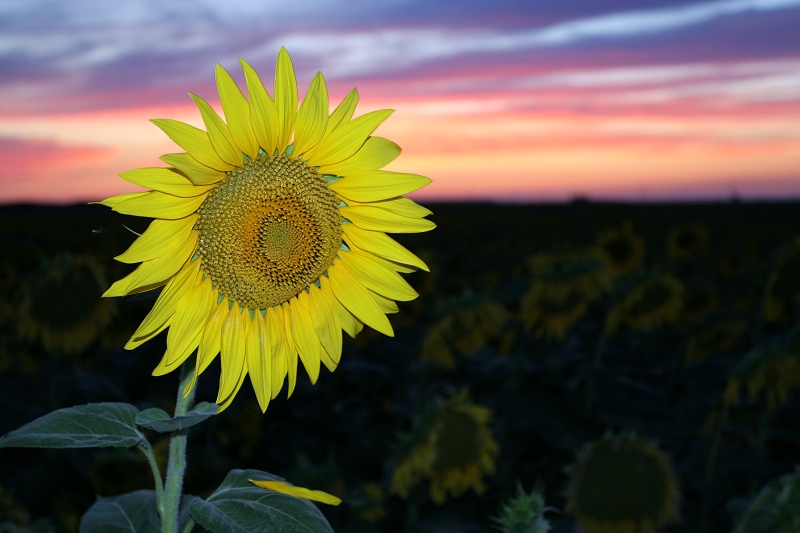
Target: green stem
170, 505
147, 450
189, 526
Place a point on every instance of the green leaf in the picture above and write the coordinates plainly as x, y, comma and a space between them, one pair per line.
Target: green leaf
238, 506
134, 512
95, 425
158, 420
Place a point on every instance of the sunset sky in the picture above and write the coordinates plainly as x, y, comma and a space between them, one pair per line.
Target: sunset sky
517, 100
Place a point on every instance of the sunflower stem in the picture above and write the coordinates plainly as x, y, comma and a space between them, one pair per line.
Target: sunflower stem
147, 450
170, 504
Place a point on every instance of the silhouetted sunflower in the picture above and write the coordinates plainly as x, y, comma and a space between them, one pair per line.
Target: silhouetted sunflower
623, 484
783, 285
624, 248
687, 242
61, 306
270, 234
586, 270
714, 337
550, 315
767, 371
452, 446
654, 301
467, 326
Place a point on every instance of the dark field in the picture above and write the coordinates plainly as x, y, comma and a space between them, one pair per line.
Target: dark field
692, 345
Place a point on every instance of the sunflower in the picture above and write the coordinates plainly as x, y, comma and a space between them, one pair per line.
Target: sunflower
270, 234
783, 285
656, 300
621, 484
468, 325
624, 248
60, 306
687, 242
770, 371
584, 269
713, 337
452, 446
549, 315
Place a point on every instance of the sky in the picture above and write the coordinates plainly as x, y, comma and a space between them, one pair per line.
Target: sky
496, 100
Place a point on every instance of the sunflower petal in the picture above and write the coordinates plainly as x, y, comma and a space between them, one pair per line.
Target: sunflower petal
343, 112
377, 219
218, 133
381, 244
326, 322
164, 307
278, 358
376, 153
114, 201
166, 180
237, 113
232, 353
297, 492
305, 336
191, 314
195, 141
289, 351
374, 185
347, 320
263, 111
194, 171
156, 204
154, 272
399, 206
209, 339
312, 117
347, 139
160, 238
352, 294
285, 98
257, 351
226, 401
377, 278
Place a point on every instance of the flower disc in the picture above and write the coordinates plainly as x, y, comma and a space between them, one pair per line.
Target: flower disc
270, 229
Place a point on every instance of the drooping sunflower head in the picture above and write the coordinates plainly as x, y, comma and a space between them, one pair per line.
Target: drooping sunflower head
270, 233
769, 372
622, 483
60, 307
783, 285
586, 269
466, 325
714, 337
655, 300
452, 445
552, 315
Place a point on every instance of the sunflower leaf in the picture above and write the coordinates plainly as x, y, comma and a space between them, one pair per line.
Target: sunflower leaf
95, 425
158, 420
134, 512
239, 506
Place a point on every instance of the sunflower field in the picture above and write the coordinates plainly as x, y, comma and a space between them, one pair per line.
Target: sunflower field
608, 367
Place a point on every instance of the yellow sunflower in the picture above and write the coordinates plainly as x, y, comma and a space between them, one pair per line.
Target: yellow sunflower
270, 234
452, 446
623, 484
770, 371
60, 307
714, 337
